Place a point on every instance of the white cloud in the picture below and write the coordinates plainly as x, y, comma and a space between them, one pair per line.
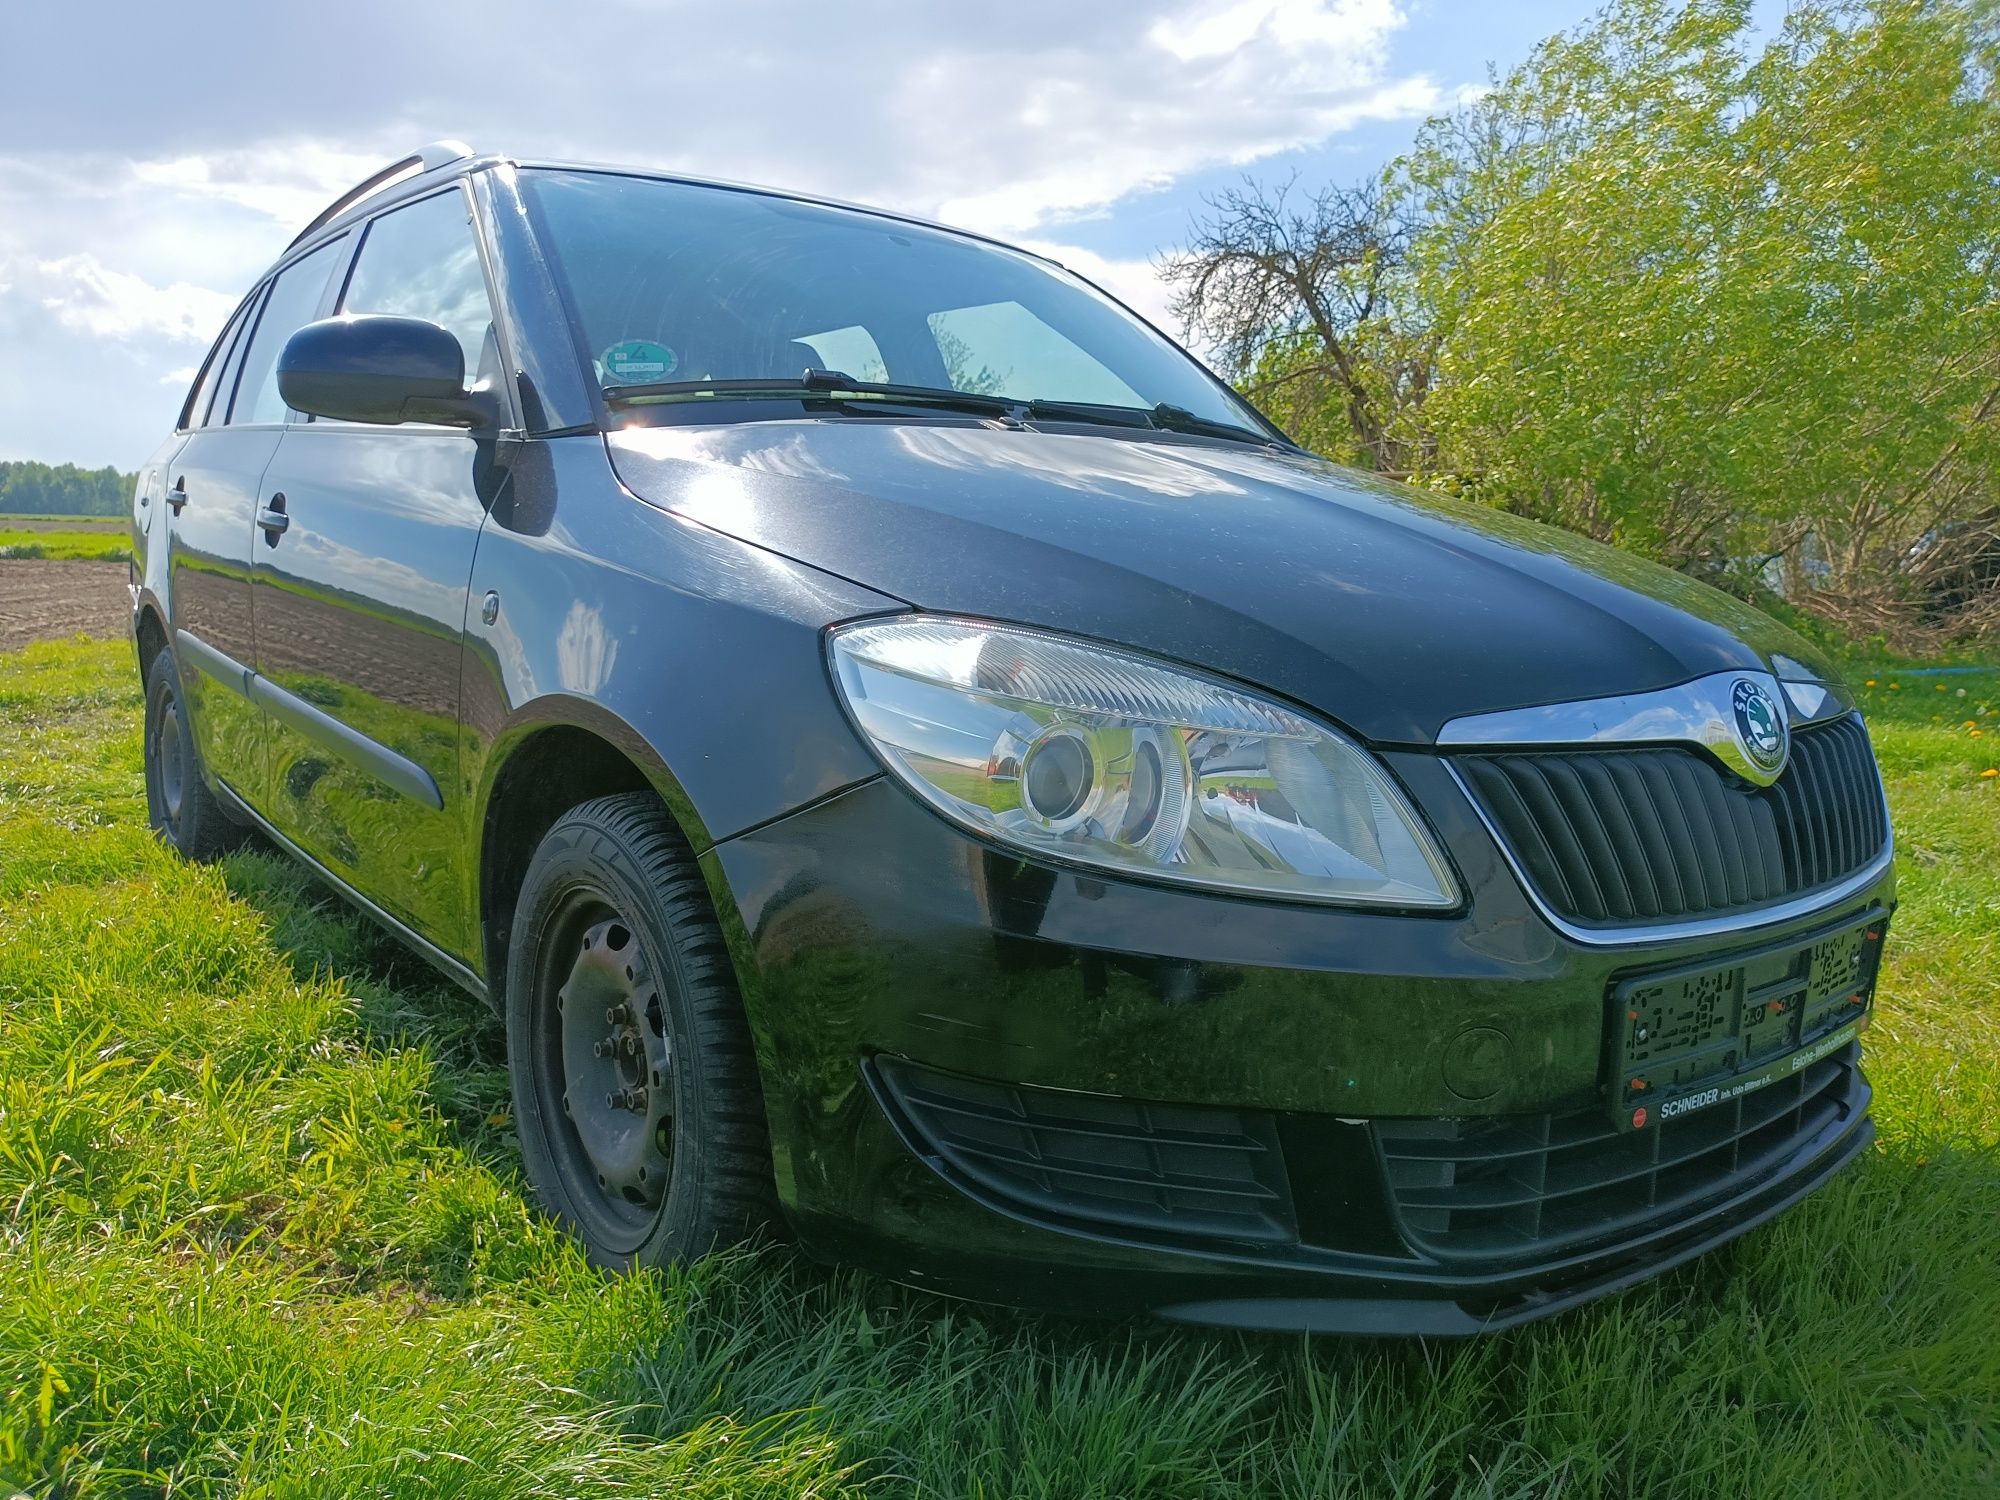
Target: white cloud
1217, 30
289, 182
1092, 180
180, 378
1204, 86
87, 295
142, 227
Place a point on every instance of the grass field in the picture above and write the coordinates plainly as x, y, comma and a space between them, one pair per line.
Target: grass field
263, 1233
68, 543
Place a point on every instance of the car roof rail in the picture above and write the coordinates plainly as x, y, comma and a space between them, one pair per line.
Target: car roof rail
423, 159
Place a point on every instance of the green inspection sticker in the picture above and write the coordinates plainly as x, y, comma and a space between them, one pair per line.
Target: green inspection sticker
636, 361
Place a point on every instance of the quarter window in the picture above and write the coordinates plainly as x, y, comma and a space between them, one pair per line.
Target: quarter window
422, 262
294, 299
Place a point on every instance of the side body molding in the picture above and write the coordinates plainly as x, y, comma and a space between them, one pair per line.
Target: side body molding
379, 761
226, 670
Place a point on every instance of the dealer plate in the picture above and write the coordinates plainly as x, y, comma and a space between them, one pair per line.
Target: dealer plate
1687, 1039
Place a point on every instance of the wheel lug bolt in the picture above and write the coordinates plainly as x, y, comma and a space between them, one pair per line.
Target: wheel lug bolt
601, 1049
617, 1015
628, 1046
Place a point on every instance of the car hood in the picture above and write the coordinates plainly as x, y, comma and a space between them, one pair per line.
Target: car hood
1389, 610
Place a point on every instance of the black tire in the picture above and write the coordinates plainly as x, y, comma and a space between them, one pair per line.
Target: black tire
179, 805
614, 946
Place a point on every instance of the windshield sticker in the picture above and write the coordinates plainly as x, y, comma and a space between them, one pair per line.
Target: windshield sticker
636, 361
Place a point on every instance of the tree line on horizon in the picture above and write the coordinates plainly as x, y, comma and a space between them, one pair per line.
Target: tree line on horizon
1730, 303
37, 489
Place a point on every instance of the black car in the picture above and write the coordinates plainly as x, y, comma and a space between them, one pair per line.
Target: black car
915, 758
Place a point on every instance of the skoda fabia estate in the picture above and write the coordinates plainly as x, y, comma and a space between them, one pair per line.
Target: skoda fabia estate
917, 761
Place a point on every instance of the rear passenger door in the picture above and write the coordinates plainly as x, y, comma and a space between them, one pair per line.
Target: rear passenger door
211, 502
360, 599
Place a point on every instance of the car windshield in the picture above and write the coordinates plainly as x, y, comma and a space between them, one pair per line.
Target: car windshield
675, 282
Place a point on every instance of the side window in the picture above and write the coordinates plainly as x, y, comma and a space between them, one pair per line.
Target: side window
225, 388
1002, 349
194, 413
293, 300
423, 262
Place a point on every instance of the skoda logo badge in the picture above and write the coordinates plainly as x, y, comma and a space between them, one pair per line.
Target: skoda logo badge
1760, 726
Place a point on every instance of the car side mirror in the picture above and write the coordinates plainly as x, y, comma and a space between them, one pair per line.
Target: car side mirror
374, 368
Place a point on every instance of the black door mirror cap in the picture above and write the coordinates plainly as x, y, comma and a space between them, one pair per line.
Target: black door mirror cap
376, 368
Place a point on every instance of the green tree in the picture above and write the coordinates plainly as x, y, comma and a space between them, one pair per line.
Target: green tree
1715, 305
1734, 306
63, 490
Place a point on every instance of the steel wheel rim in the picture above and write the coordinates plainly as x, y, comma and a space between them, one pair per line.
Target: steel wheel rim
167, 759
607, 1070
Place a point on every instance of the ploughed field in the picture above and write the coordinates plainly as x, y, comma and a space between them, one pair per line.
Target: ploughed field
263, 1232
45, 599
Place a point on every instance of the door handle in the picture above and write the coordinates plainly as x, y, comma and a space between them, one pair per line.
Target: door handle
273, 520
178, 495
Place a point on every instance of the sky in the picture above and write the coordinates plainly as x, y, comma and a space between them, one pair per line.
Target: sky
154, 159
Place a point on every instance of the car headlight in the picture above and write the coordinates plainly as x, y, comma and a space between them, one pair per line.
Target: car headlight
1082, 753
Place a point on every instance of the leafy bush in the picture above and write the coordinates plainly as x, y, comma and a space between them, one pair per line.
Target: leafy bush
1737, 308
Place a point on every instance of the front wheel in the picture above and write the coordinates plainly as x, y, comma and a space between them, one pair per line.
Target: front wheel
179, 805
635, 1088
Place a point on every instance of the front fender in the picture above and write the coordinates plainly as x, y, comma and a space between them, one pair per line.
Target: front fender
699, 656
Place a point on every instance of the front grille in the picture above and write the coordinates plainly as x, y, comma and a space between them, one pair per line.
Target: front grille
1518, 1186
1660, 833
1120, 1163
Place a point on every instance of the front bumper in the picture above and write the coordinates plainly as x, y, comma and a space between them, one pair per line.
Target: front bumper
872, 932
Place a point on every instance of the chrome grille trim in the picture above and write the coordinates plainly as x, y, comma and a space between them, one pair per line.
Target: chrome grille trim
1693, 713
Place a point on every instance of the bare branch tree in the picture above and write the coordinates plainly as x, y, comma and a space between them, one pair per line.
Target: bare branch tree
1270, 269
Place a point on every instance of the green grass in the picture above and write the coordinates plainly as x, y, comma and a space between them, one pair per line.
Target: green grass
67, 546
263, 1233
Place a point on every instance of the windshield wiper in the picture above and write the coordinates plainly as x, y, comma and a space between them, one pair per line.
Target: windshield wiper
1164, 417
1089, 411
813, 383
835, 384
1180, 419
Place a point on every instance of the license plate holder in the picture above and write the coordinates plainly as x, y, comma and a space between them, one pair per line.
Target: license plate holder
1689, 1038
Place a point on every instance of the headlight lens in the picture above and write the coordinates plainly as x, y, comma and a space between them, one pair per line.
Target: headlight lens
1079, 752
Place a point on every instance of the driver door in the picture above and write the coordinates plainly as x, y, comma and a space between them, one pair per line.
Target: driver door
359, 586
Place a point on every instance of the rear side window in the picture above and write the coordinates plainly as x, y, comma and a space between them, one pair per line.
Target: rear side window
217, 410
201, 399
423, 262
293, 301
